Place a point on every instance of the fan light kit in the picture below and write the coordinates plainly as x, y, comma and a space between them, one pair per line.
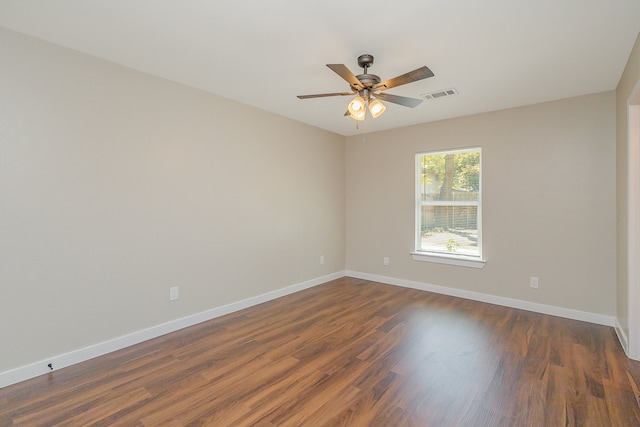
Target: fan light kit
367, 89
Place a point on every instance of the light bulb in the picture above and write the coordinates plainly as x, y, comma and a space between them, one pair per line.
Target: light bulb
356, 105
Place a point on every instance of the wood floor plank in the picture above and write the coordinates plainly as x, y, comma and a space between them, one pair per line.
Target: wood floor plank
350, 352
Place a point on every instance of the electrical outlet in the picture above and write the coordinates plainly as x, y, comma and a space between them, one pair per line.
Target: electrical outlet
385, 260
173, 293
533, 282
321, 259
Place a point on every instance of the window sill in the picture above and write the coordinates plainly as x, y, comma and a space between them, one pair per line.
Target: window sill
461, 261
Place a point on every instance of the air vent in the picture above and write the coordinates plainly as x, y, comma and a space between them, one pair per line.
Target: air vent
440, 93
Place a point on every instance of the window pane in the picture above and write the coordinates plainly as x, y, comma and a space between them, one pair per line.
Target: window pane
450, 176
449, 229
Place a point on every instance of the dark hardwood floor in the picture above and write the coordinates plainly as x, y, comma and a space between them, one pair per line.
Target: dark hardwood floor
350, 352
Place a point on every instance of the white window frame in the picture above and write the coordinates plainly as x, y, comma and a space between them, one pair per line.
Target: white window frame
440, 257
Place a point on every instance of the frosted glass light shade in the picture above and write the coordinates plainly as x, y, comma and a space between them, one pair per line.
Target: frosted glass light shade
359, 115
376, 108
357, 106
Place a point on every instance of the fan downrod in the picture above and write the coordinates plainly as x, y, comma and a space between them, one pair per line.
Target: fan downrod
368, 80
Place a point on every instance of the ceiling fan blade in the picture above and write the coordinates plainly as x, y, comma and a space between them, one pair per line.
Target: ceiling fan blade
321, 95
411, 76
402, 100
345, 73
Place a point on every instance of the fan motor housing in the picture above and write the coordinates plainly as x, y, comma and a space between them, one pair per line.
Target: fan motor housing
368, 80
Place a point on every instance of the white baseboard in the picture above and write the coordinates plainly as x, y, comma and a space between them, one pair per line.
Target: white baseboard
63, 360
622, 336
568, 313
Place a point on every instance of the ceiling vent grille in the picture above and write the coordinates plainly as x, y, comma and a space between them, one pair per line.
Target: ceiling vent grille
440, 93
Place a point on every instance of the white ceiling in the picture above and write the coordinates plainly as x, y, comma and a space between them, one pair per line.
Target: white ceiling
497, 53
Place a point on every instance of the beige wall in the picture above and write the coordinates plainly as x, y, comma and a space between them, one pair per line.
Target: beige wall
549, 202
629, 79
116, 185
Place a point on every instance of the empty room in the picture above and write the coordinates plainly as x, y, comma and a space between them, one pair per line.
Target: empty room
288, 213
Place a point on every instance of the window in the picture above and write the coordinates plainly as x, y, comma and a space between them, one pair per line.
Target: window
448, 207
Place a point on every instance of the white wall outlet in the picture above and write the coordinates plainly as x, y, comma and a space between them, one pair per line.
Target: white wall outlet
385, 260
173, 293
533, 282
321, 259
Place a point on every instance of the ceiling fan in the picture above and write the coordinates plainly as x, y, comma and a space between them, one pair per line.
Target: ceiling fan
368, 89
